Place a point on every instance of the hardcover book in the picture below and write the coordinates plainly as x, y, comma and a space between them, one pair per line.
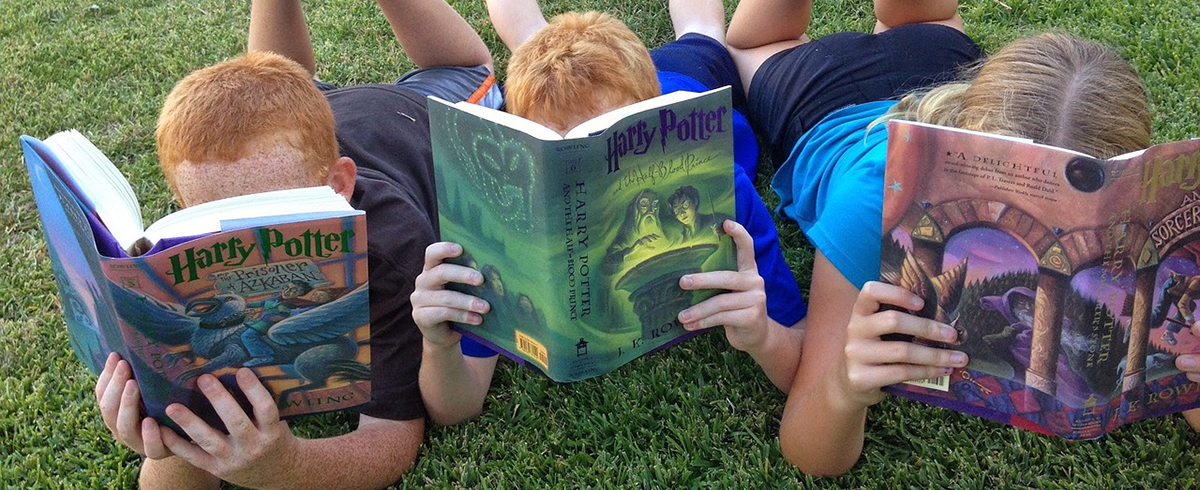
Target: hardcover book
285, 295
1072, 280
582, 239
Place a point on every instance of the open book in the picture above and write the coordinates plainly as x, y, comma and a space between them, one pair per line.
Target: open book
285, 295
102, 189
582, 240
1071, 280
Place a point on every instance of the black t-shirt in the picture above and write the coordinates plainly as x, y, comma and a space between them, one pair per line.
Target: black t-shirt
385, 130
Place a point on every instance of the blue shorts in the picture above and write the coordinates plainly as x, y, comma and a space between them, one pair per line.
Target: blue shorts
797, 87
704, 59
450, 83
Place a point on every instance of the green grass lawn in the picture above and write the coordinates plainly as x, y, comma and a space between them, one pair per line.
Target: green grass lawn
699, 415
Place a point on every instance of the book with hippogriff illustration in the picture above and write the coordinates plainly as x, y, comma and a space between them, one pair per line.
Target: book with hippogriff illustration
276, 282
582, 239
1073, 281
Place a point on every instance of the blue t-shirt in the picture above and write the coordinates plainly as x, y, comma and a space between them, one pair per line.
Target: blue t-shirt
832, 185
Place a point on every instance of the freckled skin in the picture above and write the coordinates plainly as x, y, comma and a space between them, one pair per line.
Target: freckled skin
578, 119
276, 167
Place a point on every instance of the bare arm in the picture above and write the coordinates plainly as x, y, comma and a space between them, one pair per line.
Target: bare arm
761, 28
845, 362
758, 23
895, 13
821, 433
742, 311
278, 26
515, 20
373, 456
454, 385
779, 355
258, 451
432, 34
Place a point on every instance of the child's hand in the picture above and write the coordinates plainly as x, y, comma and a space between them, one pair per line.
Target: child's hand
120, 404
1190, 364
434, 305
742, 310
871, 362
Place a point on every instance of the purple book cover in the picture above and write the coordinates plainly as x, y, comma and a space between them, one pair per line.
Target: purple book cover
1072, 280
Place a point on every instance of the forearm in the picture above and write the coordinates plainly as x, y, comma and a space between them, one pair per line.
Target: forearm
515, 20
174, 473
453, 392
278, 26
758, 23
821, 432
894, 13
779, 354
349, 462
432, 33
373, 456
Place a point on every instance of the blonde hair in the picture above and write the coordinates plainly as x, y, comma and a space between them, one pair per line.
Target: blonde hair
226, 111
577, 64
1053, 88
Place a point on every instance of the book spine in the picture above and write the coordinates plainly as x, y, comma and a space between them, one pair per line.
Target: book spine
71, 242
578, 315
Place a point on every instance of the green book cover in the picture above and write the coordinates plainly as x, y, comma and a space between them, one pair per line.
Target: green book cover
582, 240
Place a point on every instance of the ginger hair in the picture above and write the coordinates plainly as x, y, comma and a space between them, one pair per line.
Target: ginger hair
232, 109
578, 64
1053, 88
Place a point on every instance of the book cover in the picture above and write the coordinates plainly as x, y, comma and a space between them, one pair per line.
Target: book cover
1072, 280
287, 299
582, 241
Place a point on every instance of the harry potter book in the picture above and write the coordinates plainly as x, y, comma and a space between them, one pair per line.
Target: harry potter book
582, 239
284, 294
1072, 280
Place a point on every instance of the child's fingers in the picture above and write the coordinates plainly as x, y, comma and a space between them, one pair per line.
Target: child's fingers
875, 294
110, 366
875, 377
230, 412
449, 299
729, 280
717, 304
893, 321
191, 452
437, 252
1189, 363
443, 274
436, 315
207, 441
261, 401
900, 352
744, 244
110, 401
152, 440
128, 417
727, 318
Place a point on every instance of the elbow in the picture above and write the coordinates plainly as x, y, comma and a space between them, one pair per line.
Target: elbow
739, 39
454, 417
814, 449
814, 464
